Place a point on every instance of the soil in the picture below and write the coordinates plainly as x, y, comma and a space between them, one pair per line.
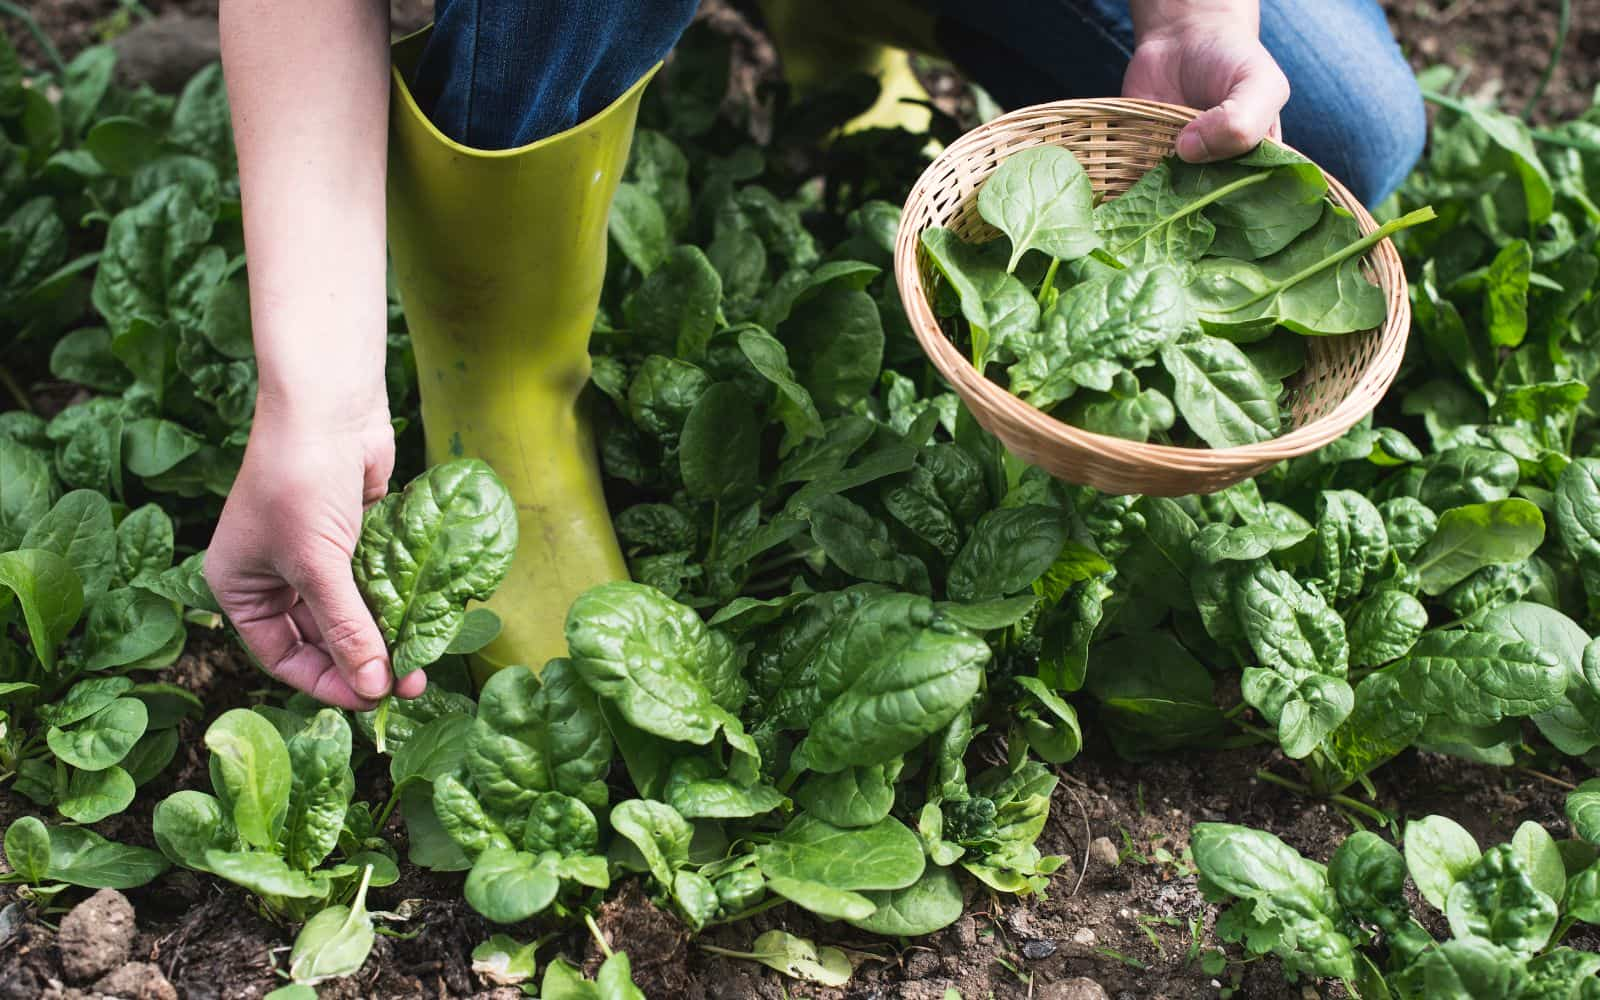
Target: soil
1503, 46
1124, 911
1137, 926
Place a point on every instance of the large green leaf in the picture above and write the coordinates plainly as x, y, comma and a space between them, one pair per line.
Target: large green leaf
1478, 678
1314, 286
889, 677
1471, 537
446, 539
102, 739
251, 763
995, 302
1258, 203
50, 593
663, 668
1042, 199
1007, 551
1220, 394
320, 791
884, 856
79, 529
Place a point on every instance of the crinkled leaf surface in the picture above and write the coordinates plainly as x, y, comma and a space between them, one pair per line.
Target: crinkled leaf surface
446, 539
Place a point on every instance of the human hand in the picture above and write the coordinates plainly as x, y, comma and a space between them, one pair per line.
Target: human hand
1218, 65
279, 563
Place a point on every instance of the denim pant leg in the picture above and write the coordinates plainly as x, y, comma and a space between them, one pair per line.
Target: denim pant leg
1354, 107
498, 74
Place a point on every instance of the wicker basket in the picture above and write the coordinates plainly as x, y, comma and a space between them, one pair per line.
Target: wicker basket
1117, 141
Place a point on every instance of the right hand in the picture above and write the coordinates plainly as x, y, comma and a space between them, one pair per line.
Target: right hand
279, 563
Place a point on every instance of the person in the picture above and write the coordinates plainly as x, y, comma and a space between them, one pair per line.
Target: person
495, 80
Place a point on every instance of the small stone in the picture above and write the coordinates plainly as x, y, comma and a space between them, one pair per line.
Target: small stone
921, 964
1104, 853
1084, 937
167, 51
97, 936
1035, 949
965, 932
136, 981
1081, 988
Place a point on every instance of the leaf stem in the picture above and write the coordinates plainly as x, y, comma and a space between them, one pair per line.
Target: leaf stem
1563, 28
790, 776
1049, 283
14, 390
1195, 206
380, 725
45, 44
388, 807
1282, 782
1552, 779
716, 526
1361, 246
771, 903
1371, 812
594, 930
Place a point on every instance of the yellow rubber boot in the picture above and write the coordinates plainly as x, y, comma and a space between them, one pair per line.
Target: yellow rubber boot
820, 40
499, 256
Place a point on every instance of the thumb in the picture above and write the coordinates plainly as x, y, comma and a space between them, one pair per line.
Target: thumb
1241, 121
348, 631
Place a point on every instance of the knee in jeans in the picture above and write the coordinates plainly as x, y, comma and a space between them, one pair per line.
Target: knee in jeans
1379, 129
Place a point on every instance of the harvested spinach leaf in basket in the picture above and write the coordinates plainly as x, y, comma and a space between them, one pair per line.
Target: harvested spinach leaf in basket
1172, 312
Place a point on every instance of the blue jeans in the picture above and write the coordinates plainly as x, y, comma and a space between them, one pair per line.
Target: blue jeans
501, 73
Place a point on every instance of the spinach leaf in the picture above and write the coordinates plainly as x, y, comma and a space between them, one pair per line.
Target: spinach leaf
1471, 537
1259, 203
1042, 199
1220, 394
665, 671
996, 304
444, 540
883, 856
1314, 286
890, 677
1096, 324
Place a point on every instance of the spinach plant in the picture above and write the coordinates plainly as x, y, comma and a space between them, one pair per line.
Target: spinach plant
281, 807
99, 602
1507, 908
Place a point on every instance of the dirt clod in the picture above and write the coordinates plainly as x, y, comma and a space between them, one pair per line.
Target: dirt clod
1081, 988
965, 933
135, 981
97, 936
1038, 949
1103, 853
167, 51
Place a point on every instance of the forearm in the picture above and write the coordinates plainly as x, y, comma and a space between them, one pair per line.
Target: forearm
308, 86
1168, 16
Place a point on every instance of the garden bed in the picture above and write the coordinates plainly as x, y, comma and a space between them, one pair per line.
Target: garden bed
1123, 916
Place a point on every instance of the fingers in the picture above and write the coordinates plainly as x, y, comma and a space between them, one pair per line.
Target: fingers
411, 685
284, 652
348, 633
309, 668
1242, 120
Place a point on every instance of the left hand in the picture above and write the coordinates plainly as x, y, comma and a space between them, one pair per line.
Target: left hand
1225, 72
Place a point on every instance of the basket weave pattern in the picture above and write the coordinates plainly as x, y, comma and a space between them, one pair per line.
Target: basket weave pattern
1118, 141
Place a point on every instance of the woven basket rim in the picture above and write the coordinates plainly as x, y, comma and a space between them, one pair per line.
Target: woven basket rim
980, 391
